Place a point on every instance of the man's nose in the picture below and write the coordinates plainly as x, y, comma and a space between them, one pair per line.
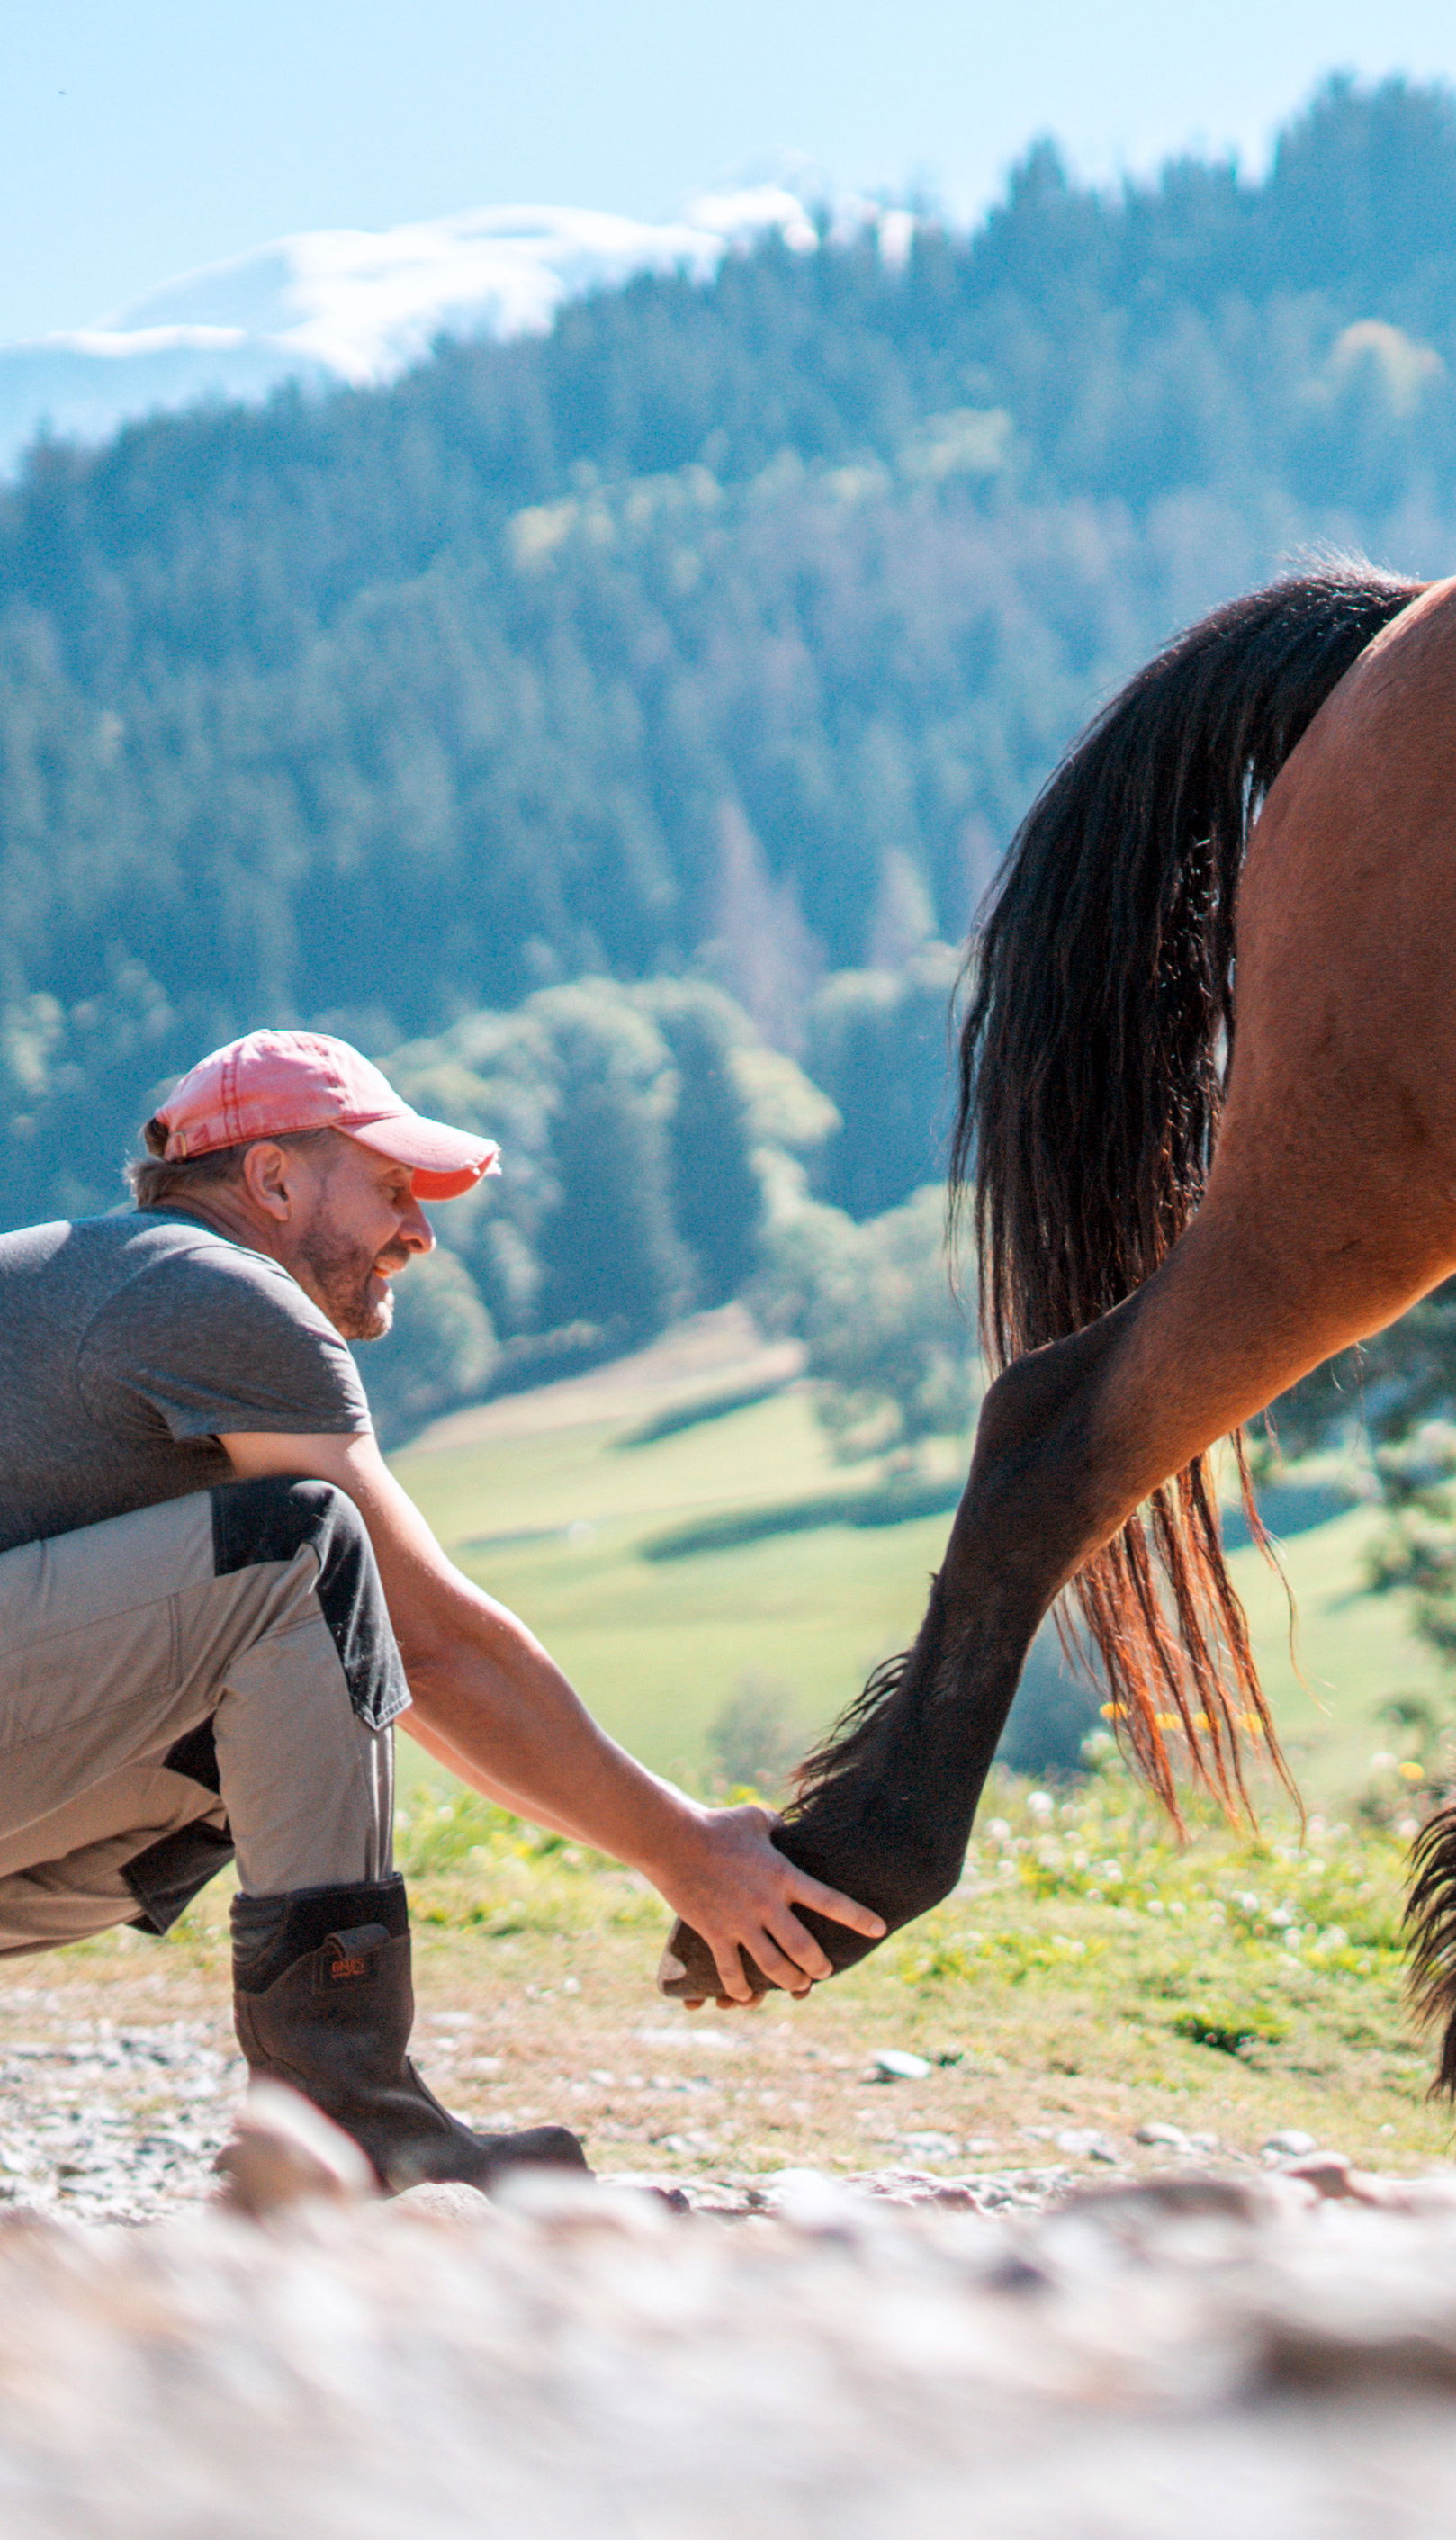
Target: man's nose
415, 1228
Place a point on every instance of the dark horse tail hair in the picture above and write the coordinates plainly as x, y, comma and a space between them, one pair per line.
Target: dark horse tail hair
1092, 1066
1431, 1927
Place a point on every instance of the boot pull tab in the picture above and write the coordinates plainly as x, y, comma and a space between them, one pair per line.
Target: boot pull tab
347, 1957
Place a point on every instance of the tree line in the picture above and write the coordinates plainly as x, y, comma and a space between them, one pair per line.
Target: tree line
662, 1157
721, 634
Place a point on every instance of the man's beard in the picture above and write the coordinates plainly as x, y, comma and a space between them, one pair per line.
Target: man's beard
344, 1278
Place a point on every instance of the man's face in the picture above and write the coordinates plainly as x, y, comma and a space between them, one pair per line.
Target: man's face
356, 1222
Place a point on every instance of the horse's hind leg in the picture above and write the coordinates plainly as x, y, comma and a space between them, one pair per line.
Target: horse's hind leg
1072, 1440
1330, 1207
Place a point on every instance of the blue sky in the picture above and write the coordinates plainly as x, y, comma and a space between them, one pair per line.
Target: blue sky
139, 140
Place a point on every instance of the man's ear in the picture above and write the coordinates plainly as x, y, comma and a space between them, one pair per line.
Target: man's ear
266, 1177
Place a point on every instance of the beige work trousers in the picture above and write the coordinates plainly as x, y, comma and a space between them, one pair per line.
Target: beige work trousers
150, 1707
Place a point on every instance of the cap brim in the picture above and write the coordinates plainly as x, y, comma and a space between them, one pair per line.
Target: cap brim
445, 1161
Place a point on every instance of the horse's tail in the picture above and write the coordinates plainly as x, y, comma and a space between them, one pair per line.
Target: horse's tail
1431, 1936
1091, 1074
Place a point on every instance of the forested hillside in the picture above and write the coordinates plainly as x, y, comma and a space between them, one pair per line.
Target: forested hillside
720, 635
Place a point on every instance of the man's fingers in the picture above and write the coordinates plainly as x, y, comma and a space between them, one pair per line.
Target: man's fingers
731, 1975
725, 2001
792, 1979
801, 1946
836, 1908
773, 1961
789, 1954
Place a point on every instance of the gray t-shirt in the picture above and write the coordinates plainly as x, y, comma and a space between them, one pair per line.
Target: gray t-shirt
127, 1344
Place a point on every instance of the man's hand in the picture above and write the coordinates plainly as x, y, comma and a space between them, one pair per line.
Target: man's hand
491, 1704
728, 1879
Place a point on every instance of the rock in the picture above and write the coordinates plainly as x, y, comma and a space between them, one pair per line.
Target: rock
1137, 2209
1084, 2142
1290, 2143
927, 2189
445, 2200
1331, 2174
663, 2192
893, 2064
932, 2145
1171, 2138
284, 2151
816, 2205
1328, 2173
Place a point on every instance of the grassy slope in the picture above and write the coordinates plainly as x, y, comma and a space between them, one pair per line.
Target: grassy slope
658, 1646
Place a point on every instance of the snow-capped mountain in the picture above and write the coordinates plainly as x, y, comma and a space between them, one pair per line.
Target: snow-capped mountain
360, 304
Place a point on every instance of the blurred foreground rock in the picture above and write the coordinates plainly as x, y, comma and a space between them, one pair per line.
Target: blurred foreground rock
1271, 2358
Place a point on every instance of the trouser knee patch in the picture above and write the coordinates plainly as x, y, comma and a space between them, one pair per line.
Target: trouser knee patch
272, 1519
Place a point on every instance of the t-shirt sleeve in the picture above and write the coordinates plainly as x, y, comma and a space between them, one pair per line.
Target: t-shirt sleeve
216, 1341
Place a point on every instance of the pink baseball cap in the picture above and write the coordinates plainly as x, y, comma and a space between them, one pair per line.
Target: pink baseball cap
277, 1084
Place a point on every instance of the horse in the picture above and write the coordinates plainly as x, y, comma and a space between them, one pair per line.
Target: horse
1208, 1085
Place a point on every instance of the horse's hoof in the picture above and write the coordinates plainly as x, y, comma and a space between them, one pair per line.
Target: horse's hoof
687, 1971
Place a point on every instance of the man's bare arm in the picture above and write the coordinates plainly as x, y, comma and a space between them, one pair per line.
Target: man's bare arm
493, 1705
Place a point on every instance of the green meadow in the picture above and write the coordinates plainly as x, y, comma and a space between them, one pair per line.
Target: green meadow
556, 1510
555, 1524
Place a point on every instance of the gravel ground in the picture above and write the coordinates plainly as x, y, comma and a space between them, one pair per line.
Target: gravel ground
103, 2121
110, 2123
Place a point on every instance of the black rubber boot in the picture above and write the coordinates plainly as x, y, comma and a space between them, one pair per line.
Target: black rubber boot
323, 2000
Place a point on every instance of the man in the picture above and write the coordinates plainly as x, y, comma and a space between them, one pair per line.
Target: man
215, 1599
